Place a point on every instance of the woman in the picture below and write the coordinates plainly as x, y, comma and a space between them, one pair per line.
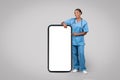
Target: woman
79, 29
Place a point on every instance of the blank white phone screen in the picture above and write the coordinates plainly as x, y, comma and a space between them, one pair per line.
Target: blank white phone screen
59, 48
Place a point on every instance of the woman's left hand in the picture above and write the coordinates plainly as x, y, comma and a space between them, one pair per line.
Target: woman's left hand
74, 34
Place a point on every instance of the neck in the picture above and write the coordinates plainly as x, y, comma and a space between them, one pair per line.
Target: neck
78, 19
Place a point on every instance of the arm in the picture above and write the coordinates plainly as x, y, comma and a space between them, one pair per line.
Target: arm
66, 22
63, 23
79, 34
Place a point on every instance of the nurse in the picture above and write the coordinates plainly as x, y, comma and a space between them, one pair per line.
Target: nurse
79, 30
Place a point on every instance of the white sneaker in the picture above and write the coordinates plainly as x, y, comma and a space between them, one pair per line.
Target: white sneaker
84, 71
74, 70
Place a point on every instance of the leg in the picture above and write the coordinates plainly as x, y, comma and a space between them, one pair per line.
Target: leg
74, 57
81, 58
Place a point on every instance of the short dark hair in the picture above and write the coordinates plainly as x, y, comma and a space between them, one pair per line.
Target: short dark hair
78, 10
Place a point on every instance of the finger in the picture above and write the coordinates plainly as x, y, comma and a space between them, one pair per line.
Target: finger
65, 26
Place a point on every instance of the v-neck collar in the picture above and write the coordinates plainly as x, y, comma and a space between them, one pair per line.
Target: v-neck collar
78, 21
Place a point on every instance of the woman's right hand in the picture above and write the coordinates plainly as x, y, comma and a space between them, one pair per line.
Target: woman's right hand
65, 26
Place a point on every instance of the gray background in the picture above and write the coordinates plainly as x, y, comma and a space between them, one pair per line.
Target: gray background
23, 38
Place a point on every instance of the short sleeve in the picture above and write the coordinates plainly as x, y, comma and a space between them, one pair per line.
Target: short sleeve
85, 27
68, 22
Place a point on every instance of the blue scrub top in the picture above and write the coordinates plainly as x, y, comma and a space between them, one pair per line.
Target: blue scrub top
77, 27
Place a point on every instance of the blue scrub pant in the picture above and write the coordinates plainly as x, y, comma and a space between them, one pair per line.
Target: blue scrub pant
78, 58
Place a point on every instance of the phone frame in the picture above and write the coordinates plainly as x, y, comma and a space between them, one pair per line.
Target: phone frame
59, 25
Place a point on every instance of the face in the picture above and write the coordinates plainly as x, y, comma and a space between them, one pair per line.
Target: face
77, 14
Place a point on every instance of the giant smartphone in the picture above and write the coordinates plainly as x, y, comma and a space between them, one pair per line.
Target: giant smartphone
59, 48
